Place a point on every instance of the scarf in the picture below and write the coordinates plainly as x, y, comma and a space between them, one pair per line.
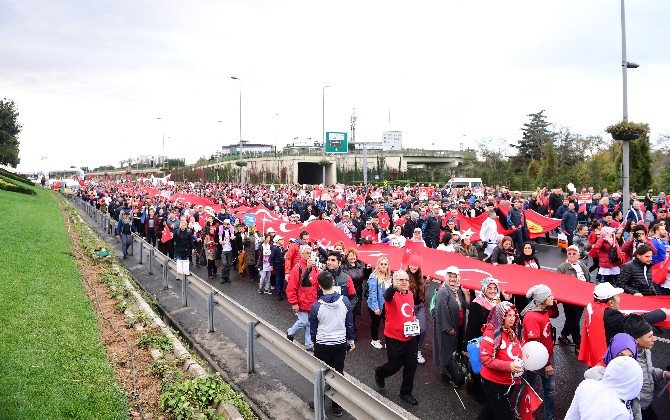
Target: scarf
620, 342
482, 299
455, 287
497, 320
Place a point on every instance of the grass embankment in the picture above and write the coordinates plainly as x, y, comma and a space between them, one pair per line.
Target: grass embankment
52, 362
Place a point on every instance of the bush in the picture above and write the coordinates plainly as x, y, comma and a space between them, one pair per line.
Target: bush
8, 185
15, 177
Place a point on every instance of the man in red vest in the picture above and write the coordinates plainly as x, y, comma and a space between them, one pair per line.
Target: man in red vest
401, 330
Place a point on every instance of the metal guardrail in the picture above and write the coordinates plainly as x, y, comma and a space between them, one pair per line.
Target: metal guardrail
352, 395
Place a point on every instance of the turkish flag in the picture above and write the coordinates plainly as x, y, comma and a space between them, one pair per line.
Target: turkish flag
582, 208
325, 232
384, 220
410, 249
659, 271
529, 402
371, 253
167, 235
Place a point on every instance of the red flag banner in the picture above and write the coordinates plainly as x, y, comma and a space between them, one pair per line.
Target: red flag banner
529, 402
167, 235
325, 232
370, 254
384, 220
659, 271
538, 225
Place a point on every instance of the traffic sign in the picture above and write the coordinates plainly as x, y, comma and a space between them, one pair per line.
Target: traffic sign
336, 142
249, 219
391, 140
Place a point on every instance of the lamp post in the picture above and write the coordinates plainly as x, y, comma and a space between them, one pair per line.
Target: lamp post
323, 126
239, 80
276, 123
625, 65
163, 160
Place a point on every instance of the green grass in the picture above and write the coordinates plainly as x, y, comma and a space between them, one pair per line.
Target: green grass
53, 362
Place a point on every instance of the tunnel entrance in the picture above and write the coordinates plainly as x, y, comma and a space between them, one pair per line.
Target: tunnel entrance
310, 173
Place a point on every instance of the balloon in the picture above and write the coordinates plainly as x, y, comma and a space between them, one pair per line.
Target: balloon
535, 355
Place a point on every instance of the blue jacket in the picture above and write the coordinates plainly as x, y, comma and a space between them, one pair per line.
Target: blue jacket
119, 226
661, 248
376, 293
569, 222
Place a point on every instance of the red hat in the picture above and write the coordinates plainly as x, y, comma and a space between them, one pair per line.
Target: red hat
414, 261
400, 222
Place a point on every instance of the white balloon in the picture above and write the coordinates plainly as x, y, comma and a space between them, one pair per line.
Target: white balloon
535, 355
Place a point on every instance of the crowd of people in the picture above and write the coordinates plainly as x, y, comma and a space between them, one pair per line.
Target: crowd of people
328, 287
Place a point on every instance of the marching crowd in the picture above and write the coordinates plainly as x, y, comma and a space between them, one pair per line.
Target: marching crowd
477, 334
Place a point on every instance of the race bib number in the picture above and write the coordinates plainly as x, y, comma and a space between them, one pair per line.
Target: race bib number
412, 328
337, 289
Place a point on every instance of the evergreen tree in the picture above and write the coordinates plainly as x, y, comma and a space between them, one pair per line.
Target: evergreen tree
9, 133
549, 168
536, 134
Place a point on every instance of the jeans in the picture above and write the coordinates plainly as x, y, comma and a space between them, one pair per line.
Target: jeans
333, 356
126, 242
226, 261
279, 280
302, 322
375, 321
548, 387
264, 280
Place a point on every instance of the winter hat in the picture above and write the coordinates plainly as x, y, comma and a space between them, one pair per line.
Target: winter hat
636, 326
414, 261
538, 293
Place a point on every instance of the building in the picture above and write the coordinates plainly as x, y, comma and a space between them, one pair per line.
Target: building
247, 147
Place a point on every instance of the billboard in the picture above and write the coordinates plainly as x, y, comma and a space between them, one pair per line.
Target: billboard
391, 140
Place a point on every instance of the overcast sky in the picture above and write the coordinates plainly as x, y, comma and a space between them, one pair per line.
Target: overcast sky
91, 77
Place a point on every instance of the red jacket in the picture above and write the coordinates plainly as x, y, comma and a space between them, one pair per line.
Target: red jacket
536, 326
296, 294
292, 257
497, 369
601, 250
627, 248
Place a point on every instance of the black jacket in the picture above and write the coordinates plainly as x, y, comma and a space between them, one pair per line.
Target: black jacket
432, 230
408, 228
635, 277
613, 320
277, 257
183, 243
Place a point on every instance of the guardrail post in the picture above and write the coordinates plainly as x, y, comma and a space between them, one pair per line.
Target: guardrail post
132, 245
319, 385
184, 291
151, 260
251, 336
210, 312
141, 251
165, 273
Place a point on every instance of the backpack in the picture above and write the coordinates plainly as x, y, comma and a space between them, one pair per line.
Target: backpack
474, 355
613, 254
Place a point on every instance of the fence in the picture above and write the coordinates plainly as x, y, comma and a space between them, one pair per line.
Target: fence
348, 392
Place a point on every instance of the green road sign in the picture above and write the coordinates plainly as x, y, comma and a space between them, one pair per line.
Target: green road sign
336, 143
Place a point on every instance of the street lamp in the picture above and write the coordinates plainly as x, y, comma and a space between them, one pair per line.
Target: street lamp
323, 126
239, 80
276, 123
625, 65
163, 121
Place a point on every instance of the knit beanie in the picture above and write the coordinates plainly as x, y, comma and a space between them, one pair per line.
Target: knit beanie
636, 326
538, 294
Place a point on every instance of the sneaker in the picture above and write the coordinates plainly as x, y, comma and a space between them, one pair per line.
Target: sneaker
420, 359
565, 341
289, 336
376, 344
260, 291
311, 349
267, 292
379, 380
409, 399
337, 411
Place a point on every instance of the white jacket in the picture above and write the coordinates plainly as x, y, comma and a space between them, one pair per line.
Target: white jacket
489, 232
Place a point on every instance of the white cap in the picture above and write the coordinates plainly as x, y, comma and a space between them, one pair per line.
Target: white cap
278, 238
270, 230
605, 291
226, 221
574, 248
452, 269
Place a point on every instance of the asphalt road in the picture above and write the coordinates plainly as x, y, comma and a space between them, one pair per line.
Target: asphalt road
437, 399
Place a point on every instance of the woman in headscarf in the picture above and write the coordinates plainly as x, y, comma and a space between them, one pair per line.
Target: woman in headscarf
418, 289
450, 309
622, 345
501, 358
466, 247
611, 397
609, 261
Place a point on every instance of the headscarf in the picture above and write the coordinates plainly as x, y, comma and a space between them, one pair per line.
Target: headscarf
607, 233
538, 294
620, 342
455, 287
497, 321
532, 254
623, 376
482, 299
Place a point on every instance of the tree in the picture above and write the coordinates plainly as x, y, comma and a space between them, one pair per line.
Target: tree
547, 176
640, 165
9, 133
536, 134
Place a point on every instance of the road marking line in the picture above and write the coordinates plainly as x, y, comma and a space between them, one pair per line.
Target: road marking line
663, 340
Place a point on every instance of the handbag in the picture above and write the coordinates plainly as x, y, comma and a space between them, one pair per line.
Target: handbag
457, 369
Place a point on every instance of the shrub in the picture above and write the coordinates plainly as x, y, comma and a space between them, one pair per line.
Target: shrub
8, 185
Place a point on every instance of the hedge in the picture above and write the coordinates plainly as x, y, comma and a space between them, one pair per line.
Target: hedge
8, 185
15, 177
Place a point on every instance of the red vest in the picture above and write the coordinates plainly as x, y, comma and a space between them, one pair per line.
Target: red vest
398, 311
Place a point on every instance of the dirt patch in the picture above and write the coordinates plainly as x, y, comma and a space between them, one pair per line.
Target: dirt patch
141, 382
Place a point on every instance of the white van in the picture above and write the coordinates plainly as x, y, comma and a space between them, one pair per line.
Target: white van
464, 183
